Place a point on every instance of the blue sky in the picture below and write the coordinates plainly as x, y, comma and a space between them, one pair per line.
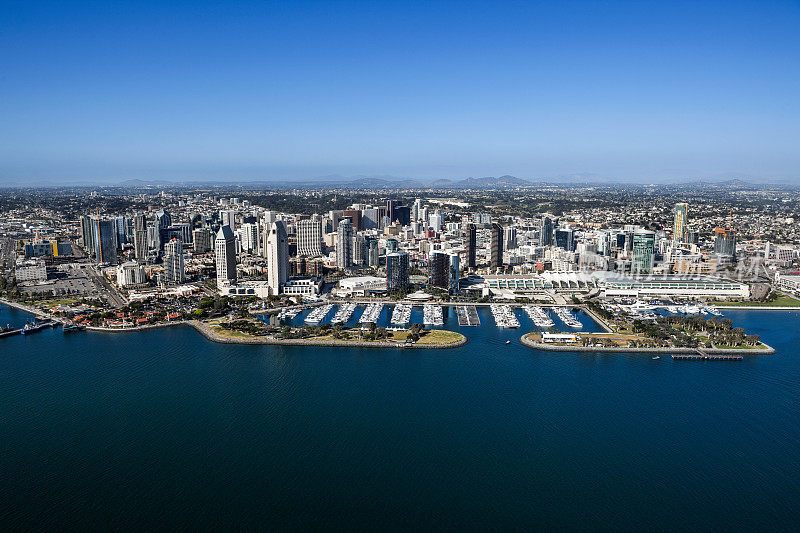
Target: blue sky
104, 91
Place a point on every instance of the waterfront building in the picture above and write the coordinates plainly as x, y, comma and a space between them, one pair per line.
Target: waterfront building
397, 271
372, 252
472, 245
361, 286
309, 237
277, 257
455, 272
140, 236
225, 250
496, 253
105, 240
344, 244
174, 270
439, 269
644, 242
359, 250
681, 218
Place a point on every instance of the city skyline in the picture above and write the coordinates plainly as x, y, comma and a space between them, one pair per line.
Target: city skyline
574, 91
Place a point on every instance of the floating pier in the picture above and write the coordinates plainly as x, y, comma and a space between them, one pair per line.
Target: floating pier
468, 315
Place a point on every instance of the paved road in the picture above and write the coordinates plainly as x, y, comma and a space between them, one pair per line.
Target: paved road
109, 291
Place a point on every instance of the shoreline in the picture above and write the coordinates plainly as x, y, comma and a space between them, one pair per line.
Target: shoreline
668, 350
208, 332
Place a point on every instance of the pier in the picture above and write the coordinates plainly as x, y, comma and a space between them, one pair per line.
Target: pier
467, 315
703, 356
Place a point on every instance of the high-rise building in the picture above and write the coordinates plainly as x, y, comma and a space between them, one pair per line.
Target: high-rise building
455, 272
121, 224
202, 239
439, 269
565, 238
390, 205
644, 244
415, 209
225, 249
681, 218
344, 244
105, 240
546, 232
277, 257
496, 253
359, 250
309, 237
140, 236
397, 271
472, 246
372, 252
725, 242
228, 218
355, 217
250, 238
174, 270
510, 238
87, 234
436, 222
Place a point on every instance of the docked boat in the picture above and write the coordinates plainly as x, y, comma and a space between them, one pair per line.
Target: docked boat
401, 314
318, 314
372, 313
343, 314
432, 315
504, 316
568, 318
539, 317
72, 328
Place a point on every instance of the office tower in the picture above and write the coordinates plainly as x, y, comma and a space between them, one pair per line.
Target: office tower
309, 237
105, 240
277, 257
359, 250
344, 244
510, 238
370, 218
439, 269
87, 234
225, 249
397, 271
415, 209
455, 272
644, 243
140, 236
153, 236
184, 229
725, 242
390, 205
227, 217
250, 238
436, 222
372, 252
163, 218
355, 218
496, 255
402, 214
174, 271
121, 224
681, 218
565, 238
546, 232
202, 239
472, 246
392, 245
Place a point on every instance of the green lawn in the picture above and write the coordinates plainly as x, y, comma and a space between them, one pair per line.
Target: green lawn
780, 301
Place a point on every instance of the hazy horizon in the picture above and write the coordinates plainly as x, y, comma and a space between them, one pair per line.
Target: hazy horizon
618, 91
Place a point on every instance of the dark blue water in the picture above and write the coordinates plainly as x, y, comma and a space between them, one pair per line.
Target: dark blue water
164, 429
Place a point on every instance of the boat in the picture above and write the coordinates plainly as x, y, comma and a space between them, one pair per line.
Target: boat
656, 357
508, 342
539, 316
432, 315
73, 328
568, 318
504, 316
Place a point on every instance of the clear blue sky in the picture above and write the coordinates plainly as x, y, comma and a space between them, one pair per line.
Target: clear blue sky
253, 90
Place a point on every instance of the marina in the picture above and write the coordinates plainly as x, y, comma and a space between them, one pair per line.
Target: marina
467, 316
707, 357
318, 314
432, 315
372, 313
288, 314
566, 316
401, 314
539, 316
344, 313
504, 316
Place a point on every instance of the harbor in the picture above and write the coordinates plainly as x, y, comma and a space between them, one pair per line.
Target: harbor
467, 316
432, 315
504, 316
372, 313
401, 314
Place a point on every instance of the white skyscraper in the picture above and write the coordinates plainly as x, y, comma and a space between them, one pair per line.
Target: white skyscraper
249, 237
277, 249
309, 237
225, 249
228, 218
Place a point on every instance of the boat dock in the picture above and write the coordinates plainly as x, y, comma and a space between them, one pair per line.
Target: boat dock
467, 315
30, 328
703, 356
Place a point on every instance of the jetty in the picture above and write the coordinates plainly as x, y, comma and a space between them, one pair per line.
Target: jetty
467, 315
